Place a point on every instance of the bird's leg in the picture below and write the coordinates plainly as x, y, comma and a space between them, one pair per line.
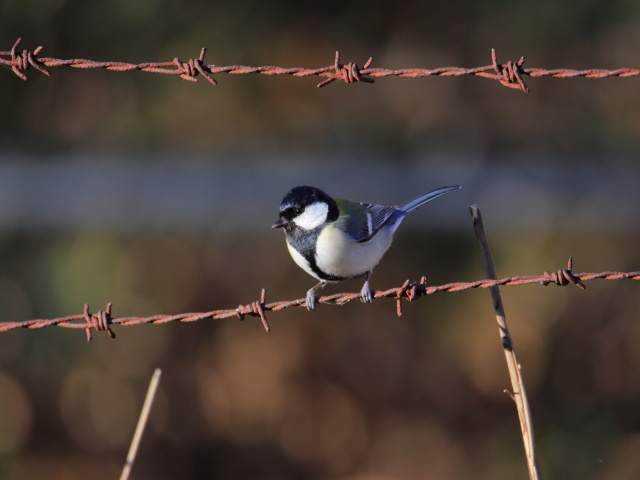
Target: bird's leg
312, 299
366, 294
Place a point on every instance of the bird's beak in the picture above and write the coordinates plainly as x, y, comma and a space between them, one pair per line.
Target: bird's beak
279, 223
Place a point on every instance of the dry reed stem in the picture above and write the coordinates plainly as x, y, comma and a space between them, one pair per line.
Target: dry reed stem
142, 422
519, 394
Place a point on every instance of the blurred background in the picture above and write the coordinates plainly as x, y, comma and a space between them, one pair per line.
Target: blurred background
157, 195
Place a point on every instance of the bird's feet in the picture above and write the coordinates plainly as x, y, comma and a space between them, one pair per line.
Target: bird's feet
366, 294
312, 300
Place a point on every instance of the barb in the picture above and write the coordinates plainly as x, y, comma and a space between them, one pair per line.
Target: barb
409, 291
349, 73
100, 321
510, 74
193, 67
21, 62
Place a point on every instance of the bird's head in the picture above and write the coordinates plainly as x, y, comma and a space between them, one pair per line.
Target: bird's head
307, 208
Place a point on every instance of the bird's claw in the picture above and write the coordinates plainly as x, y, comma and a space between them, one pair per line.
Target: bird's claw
312, 300
366, 294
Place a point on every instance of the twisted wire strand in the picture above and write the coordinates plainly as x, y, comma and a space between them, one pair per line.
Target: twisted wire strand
409, 291
509, 74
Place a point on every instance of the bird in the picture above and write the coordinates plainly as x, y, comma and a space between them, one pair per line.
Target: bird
333, 239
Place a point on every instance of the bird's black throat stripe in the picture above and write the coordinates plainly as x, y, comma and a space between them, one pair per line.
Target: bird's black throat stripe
305, 244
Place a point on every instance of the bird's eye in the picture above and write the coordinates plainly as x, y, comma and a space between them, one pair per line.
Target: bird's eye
297, 210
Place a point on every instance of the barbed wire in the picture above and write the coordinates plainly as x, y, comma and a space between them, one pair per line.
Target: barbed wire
509, 74
408, 291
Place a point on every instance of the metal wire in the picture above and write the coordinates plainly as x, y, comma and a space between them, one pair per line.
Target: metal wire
410, 291
509, 74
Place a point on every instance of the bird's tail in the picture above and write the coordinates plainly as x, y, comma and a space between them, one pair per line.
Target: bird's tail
427, 197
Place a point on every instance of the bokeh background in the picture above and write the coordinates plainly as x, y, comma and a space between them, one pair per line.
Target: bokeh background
157, 195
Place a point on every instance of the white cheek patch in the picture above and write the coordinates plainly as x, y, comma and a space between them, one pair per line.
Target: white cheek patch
313, 216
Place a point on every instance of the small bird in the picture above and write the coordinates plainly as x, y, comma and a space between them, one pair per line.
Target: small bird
334, 239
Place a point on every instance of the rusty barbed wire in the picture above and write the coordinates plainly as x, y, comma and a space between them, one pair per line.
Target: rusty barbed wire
408, 291
509, 74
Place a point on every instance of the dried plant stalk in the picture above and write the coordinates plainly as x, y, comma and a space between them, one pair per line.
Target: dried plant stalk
519, 394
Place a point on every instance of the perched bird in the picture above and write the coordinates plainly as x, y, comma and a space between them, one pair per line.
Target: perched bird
334, 239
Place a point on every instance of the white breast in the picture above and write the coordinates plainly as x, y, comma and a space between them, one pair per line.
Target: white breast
337, 254
301, 261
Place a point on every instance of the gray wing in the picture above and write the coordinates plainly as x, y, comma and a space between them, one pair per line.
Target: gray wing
377, 215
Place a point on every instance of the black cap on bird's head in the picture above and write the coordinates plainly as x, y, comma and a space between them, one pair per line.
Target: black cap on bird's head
299, 198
